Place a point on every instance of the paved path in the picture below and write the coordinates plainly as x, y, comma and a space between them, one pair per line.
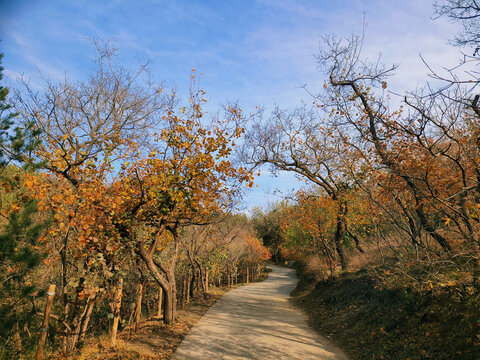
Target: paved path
257, 322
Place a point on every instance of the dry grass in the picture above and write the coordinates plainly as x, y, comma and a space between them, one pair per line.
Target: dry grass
371, 319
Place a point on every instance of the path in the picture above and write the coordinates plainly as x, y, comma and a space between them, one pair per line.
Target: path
257, 322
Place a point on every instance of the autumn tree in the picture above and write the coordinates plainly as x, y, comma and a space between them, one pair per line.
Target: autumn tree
85, 130
303, 142
423, 156
187, 176
268, 228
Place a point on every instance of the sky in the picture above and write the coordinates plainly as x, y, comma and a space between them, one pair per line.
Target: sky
254, 52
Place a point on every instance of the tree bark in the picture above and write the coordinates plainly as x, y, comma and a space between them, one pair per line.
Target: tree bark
188, 286
138, 310
162, 281
87, 317
116, 314
160, 302
339, 234
206, 281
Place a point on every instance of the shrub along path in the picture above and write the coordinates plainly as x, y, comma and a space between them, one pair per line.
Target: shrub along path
257, 322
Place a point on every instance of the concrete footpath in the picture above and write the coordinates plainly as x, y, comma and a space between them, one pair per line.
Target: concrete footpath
256, 321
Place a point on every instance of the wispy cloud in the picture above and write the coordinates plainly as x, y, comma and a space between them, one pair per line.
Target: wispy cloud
254, 51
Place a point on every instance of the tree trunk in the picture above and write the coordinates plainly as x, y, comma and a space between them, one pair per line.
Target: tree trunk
17, 340
77, 330
199, 279
138, 310
168, 313
160, 302
166, 283
188, 286
206, 281
339, 233
184, 291
192, 283
116, 315
247, 275
87, 317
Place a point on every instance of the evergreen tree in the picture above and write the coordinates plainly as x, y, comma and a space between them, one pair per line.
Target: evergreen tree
18, 231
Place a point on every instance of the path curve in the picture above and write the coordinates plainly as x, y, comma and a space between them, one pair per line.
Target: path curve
256, 321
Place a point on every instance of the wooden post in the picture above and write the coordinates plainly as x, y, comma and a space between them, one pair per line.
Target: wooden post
160, 302
138, 314
46, 318
117, 303
247, 274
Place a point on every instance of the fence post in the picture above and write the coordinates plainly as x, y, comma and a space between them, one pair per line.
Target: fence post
46, 319
116, 315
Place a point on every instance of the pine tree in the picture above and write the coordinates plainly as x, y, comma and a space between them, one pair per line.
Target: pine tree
19, 233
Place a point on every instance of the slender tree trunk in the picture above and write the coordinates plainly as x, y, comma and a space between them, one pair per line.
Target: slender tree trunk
184, 291
63, 287
188, 286
206, 281
339, 234
138, 308
17, 340
192, 283
160, 302
116, 315
77, 330
88, 315
199, 280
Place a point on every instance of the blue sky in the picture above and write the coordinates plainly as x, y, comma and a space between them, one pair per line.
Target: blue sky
256, 52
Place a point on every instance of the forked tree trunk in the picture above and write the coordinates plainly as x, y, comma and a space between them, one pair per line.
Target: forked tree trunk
167, 283
82, 322
88, 315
